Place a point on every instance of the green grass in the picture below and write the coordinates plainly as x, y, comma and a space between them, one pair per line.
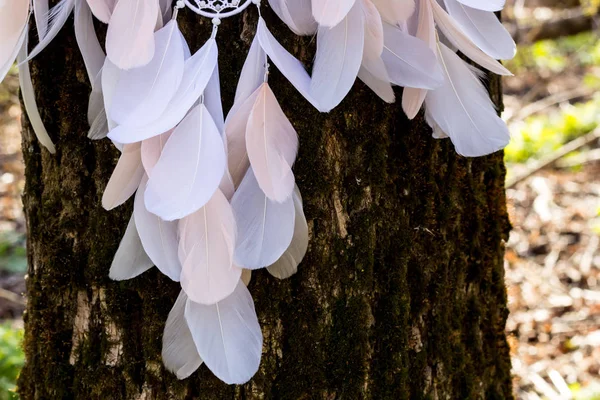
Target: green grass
11, 359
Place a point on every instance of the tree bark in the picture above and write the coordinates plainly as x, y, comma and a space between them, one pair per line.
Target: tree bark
401, 294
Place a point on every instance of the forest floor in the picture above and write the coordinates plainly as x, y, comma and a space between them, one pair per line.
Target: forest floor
552, 258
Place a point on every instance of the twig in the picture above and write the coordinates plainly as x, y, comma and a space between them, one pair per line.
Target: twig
555, 156
10, 296
549, 101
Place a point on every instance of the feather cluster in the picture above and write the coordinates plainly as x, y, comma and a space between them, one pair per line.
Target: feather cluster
215, 197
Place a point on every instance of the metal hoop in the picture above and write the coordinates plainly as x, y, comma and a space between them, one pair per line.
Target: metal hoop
215, 8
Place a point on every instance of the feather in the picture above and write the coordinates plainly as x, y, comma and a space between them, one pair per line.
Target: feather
57, 17
287, 265
484, 29
213, 100
130, 259
190, 168
99, 127
413, 98
179, 352
246, 276
297, 15
144, 93
338, 59
166, 9
485, 5
197, 72
158, 237
287, 64
110, 78
451, 30
235, 133
252, 75
329, 13
125, 178
272, 145
395, 11
227, 335
409, 61
381, 88
265, 227
463, 110
96, 100
130, 35
14, 18
40, 10
208, 238
373, 31
152, 149
102, 9
28, 95
89, 46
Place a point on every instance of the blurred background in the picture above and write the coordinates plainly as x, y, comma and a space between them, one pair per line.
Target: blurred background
552, 106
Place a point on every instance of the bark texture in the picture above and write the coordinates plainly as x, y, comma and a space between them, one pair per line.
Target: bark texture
401, 294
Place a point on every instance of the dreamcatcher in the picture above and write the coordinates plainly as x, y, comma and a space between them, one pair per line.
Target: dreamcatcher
215, 197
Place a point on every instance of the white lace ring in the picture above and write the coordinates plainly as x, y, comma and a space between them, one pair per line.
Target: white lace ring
218, 8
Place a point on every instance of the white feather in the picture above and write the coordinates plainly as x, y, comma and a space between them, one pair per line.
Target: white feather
227, 335
40, 10
125, 178
130, 259
463, 110
190, 168
89, 46
409, 61
158, 237
455, 35
329, 13
486, 5
381, 88
99, 127
484, 29
144, 93
197, 72
213, 100
287, 265
152, 149
130, 35
208, 241
252, 75
395, 11
57, 17
265, 227
297, 15
179, 352
28, 95
338, 59
14, 18
287, 64
272, 145
413, 98
102, 9
110, 78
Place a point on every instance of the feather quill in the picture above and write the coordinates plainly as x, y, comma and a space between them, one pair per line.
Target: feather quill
227, 335
130, 259
40, 10
57, 17
272, 145
190, 168
265, 227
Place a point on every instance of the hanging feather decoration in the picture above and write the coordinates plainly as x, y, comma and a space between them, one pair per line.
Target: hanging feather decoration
215, 197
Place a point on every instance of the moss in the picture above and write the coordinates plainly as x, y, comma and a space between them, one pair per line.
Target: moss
400, 296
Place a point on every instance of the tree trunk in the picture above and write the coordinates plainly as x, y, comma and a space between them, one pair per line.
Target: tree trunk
401, 294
